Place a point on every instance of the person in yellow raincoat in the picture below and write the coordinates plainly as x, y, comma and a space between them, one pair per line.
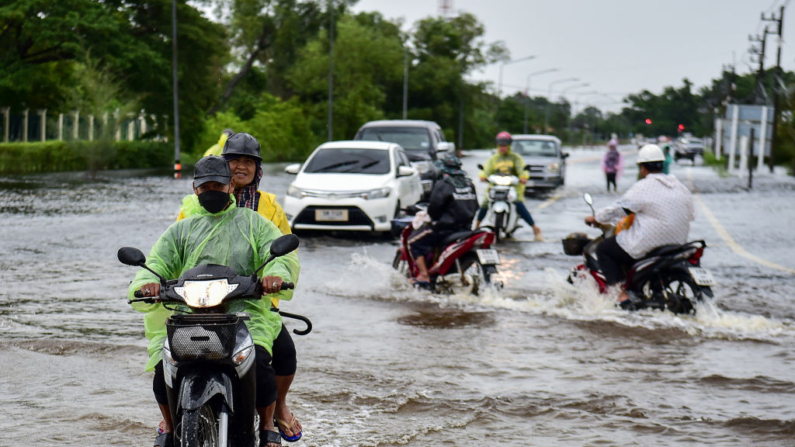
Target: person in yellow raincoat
218, 147
243, 152
217, 231
506, 162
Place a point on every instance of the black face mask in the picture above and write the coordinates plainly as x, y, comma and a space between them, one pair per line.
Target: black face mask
214, 201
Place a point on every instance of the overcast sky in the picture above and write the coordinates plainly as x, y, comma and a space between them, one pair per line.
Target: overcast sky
617, 46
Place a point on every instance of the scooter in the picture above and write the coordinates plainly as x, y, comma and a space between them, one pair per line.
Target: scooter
501, 212
464, 263
208, 355
669, 277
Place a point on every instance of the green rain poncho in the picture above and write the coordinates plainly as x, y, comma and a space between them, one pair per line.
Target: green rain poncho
236, 237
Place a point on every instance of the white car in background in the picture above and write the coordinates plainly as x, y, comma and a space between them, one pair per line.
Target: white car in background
351, 185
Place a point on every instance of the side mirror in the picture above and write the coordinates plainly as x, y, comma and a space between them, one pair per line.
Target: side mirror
588, 199
280, 247
293, 168
284, 244
527, 168
565, 155
480, 166
131, 256
445, 146
405, 171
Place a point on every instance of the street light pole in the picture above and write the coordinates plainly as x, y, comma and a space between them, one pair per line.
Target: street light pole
331, 74
177, 164
549, 100
406, 83
499, 85
527, 92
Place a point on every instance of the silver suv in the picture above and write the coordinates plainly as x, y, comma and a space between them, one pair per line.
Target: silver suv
544, 159
421, 141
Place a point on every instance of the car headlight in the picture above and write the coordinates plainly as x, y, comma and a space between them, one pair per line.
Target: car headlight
380, 193
298, 193
553, 167
423, 167
200, 294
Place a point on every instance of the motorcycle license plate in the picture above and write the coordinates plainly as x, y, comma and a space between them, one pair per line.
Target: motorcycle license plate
488, 257
702, 277
331, 215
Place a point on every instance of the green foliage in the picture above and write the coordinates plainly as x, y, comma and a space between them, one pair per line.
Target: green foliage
55, 156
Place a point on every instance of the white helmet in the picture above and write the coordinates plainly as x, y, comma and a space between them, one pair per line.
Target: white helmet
650, 153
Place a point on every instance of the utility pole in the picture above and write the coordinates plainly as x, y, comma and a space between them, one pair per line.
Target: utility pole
406, 83
776, 110
499, 84
760, 95
331, 72
549, 100
177, 164
527, 92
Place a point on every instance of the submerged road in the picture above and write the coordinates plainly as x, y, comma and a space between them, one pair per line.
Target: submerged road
539, 363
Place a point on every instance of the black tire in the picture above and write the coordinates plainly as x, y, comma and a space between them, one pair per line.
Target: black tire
199, 428
471, 266
499, 225
678, 293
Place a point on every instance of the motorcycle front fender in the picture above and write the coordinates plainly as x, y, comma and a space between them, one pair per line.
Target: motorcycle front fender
199, 387
501, 207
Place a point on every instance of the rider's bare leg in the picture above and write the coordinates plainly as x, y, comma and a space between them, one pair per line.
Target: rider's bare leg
423, 275
282, 411
166, 425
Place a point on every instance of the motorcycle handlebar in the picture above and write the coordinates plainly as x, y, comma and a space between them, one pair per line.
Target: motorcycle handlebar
141, 298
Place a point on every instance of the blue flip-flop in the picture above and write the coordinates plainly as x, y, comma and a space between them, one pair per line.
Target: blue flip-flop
423, 285
289, 426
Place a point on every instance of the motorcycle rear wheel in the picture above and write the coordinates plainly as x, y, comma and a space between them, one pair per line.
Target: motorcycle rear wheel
199, 428
679, 293
472, 278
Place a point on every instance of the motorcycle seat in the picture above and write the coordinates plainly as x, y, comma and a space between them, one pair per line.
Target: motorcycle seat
458, 235
665, 250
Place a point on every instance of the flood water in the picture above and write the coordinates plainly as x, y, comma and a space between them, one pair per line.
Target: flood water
538, 363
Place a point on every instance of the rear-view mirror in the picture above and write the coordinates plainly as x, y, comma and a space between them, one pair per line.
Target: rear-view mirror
405, 171
480, 166
284, 244
565, 155
293, 168
446, 146
131, 256
588, 199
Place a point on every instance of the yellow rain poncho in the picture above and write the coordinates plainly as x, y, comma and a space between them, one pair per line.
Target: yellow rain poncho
217, 148
236, 237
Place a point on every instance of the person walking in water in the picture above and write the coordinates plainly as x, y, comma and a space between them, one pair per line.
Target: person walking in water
612, 164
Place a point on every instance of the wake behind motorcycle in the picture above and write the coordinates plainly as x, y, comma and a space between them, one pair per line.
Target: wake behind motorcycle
464, 263
209, 355
669, 277
501, 212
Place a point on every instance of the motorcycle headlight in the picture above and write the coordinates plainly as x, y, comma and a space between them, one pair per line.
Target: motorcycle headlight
422, 167
380, 193
553, 167
298, 193
502, 180
200, 294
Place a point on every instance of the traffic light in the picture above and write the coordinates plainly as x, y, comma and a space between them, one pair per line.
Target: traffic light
681, 128
648, 120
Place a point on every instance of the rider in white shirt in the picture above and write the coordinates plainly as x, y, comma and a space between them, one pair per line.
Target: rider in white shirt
663, 209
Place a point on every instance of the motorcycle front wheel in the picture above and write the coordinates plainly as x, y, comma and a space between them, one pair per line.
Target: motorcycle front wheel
499, 225
199, 428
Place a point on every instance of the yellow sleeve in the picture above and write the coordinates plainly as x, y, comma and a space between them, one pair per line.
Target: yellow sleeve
270, 209
520, 172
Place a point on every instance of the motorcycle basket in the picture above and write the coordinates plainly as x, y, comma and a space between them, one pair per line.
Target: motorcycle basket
574, 244
202, 337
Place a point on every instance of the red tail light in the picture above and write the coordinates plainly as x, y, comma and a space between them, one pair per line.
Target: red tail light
697, 256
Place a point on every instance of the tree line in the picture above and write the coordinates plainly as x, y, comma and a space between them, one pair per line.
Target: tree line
263, 66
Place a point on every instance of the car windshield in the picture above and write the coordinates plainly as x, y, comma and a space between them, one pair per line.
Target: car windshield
535, 148
349, 161
410, 138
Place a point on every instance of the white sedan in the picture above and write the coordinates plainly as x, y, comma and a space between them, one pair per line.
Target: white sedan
351, 185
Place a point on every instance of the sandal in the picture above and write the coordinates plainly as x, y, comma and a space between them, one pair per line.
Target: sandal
267, 437
280, 424
164, 440
426, 285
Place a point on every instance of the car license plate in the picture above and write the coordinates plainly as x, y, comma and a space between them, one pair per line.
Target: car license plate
331, 215
488, 257
427, 185
702, 277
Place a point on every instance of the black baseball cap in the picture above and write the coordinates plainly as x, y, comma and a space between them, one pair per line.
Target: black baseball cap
242, 144
211, 168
